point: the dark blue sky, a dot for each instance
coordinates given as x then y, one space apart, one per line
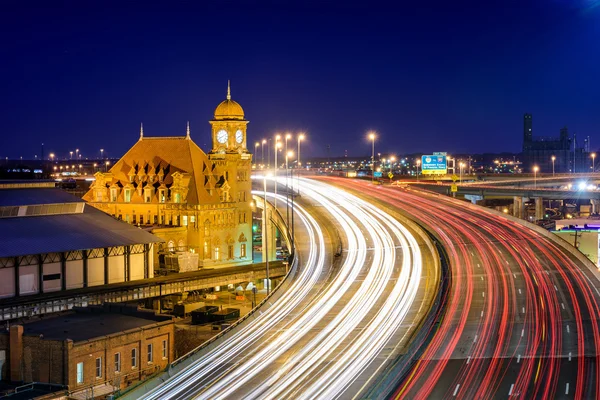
427 76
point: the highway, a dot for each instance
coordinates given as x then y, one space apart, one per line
337 324
522 313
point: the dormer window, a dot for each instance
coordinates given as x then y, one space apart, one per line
161 196
113 195
177 198
127 193
147 195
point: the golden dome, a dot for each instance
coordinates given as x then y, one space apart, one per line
229 109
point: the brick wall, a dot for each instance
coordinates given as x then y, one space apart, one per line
4 346
55 361
87 352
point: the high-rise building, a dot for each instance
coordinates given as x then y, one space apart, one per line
541 150
196 202
527 130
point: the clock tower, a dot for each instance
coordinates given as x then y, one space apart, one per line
229 127
233 164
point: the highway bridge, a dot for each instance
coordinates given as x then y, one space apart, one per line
522 315
335 323
433 297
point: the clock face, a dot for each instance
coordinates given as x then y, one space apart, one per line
222 136
239 136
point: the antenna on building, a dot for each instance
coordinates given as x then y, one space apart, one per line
228 90
187 131
141 130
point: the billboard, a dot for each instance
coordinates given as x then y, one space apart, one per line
434 164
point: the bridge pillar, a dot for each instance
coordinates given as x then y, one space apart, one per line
539 208
595 206
518 207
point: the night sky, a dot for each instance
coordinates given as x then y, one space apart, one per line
427 76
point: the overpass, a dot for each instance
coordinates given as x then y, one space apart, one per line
478 192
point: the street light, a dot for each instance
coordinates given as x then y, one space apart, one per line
535 170
300 138
288 136
256 151
372 138
71 153
101 153
52 157
553 159
288 155
461 165
277 147
593 162
106 164
265 233
262 152
76 153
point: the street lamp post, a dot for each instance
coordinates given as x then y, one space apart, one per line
255 155
372 138
288 136
106 164
265 234
101 154
593 162
277 146
461 165
418 165
553 159
262 152
535 170
71 153
300 138
288 155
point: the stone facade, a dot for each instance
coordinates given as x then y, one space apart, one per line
195 201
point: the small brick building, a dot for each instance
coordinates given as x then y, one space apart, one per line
110 345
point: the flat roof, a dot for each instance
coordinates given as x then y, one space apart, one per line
84 325
68 232
34 196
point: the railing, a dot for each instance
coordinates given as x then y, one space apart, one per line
116 381
34 385
142 290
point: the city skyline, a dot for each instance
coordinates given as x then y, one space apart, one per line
425 79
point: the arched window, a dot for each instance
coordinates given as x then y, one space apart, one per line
171 245
181 245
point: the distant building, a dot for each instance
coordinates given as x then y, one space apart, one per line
540 151
195 201
53 242
101 347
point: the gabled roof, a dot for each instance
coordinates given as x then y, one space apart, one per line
170 154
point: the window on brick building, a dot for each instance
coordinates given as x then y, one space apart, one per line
80 372
150 358
117 362
133 358
99 367
164 349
